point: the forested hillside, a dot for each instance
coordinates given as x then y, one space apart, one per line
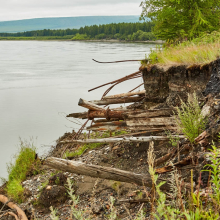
62 22
121 31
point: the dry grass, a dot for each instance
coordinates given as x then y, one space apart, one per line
198 51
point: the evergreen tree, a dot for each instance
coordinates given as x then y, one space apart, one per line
180 19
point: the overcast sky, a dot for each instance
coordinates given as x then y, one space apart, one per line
24 9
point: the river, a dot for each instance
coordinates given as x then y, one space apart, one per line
42 81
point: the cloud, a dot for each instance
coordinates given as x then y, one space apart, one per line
24 9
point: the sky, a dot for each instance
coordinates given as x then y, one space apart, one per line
25 9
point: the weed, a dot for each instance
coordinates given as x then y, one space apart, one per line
116 186
53 214
190 120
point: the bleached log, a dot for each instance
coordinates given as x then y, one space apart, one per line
117 101
125 94
21 214
124 139
89 105
98 171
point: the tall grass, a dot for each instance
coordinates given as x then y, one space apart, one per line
200 50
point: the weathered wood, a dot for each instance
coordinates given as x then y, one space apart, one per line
117 101
142 92
160 121
109 125
21 214
98 171
9 213
81 115
149 113
89 105
124 139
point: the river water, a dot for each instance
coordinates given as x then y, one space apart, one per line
42 81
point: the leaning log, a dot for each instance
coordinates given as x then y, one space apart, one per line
89 105
21 214
117 101
142 92
98 171
124 139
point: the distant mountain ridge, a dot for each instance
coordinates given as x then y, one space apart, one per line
62 22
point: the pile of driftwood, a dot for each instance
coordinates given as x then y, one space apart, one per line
144 120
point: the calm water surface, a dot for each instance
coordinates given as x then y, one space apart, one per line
42 81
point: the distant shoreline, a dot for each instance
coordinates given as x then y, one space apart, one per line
101 40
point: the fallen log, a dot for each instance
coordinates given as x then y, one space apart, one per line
89 105
124 139
117 101
99 171
21 214
142 92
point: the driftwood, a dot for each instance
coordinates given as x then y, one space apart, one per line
125 139
81 115
108 126
89 105
142 92
124 113
160 121
98 171
166 112
117 101
21 214
10 213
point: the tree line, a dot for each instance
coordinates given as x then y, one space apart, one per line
121 31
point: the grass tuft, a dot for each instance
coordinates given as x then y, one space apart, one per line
25 164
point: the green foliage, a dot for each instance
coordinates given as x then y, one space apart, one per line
81 37
78 214
25 164
190 120
15 190
181 19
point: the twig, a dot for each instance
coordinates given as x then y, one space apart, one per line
120 61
